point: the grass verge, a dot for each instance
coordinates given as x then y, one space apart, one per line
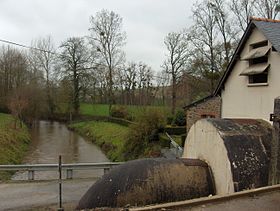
13 143
110 137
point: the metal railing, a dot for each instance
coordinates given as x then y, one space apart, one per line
69 168
177 150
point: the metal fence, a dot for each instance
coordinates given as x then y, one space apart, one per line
174 147
69 168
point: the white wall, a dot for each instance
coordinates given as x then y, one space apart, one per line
241 101
205 143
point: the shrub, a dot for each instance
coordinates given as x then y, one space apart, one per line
180 118
119 112
143 134
169 119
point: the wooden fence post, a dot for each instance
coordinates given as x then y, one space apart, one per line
274 171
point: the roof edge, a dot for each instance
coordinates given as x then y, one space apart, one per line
234 58
198 101
252 18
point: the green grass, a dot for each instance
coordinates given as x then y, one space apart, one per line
13 142
133 110
94 109
110 137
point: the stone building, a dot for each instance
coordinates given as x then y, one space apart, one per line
208 107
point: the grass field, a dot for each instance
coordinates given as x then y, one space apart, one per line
110 137
133 111
94 109
13 142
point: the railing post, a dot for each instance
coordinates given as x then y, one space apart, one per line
30 174
69 174
106 170
60 184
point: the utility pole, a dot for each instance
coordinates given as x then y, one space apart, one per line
274 171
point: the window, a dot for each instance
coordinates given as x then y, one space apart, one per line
259 44
258 78
259 60
257 57
205 116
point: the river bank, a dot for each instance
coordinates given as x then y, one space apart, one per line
114 140
14 142
110 137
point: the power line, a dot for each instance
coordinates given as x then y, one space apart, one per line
46 51
25 46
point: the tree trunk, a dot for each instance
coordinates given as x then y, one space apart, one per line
76 102
173 94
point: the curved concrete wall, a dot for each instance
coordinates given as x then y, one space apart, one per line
204 143
150 181
237 150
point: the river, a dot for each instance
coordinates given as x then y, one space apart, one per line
51 139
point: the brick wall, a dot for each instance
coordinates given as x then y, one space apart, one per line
209 107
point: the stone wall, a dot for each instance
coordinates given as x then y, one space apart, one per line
209 107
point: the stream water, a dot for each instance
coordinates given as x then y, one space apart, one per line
51 139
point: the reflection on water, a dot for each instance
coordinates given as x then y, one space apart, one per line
51 139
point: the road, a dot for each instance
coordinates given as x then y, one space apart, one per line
18 196
261 199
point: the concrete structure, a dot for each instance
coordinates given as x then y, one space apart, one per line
150 181
251 82
237 150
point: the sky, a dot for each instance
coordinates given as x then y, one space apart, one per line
146 22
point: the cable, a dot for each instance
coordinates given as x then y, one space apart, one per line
25 46
38 49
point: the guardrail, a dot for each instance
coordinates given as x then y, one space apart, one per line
69 168
178 151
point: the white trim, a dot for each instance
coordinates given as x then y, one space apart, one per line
257 84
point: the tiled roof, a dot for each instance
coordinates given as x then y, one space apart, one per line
271 31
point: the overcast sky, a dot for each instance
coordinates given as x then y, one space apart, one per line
146 22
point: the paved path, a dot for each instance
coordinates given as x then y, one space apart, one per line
17 196
264 202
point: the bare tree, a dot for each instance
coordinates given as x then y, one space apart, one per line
25 103
108 39
17 103
204 35
242 10
13 71
162 81
43 58
75 59
144 83
177 47
224 25
267 8
130 74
